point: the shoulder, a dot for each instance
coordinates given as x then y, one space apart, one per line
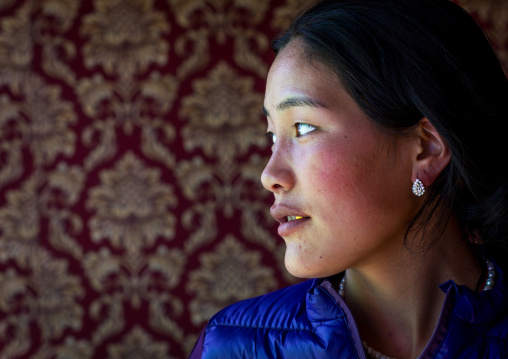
300 321
252 327
277 309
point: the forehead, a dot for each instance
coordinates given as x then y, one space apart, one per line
294 73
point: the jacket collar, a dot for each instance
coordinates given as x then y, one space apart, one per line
479 308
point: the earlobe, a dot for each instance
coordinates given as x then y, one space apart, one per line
433 153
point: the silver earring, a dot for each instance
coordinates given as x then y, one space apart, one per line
418 188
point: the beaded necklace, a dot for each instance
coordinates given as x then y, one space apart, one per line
489 284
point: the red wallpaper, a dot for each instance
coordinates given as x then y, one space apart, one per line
131 145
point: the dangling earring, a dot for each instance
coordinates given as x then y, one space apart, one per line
418 188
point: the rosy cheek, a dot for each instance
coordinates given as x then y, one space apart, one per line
333 172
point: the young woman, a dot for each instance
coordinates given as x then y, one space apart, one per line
388 171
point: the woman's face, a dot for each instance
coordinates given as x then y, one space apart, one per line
331 165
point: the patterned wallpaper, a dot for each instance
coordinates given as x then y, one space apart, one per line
131 145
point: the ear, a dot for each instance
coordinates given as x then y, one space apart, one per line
433 154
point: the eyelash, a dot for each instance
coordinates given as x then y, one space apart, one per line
298 126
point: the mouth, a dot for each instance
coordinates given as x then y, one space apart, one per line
290 218
287 219
291 224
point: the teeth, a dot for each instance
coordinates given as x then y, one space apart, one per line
292 218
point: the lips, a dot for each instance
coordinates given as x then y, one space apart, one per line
291 219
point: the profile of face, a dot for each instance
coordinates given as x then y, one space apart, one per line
342 186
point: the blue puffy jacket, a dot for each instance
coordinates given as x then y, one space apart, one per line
310 320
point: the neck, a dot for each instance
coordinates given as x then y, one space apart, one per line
395 298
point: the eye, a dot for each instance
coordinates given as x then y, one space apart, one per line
303 129
271 137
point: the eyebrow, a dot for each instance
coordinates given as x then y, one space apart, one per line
295 102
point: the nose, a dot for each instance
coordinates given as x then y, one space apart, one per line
278 176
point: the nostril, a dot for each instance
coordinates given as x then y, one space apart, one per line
277 175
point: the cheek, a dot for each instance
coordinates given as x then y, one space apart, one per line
340 171
346 186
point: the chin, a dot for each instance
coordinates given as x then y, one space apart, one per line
300 269
305 269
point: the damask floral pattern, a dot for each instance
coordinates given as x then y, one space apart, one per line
131 146
56 307
125 36
48 133
40 121
32 114
47 296
228 274
20 223
223 114
132 206
16 48
222 20
138 344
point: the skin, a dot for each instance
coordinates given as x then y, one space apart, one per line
351 183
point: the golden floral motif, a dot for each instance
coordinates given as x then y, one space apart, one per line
68 181
128 104
228 274
41 121
36 116
14 327
57 293
70 348
165 270
133 276
144 104
16 48
226 188
100 137
125 37
222 19
47 296
135 279
41 197
105 273
49 133
192 176
12 167
194 48
256 220
19 220
63 13
63 189
131 206
20 223
224 115
201 221
138 345
53 18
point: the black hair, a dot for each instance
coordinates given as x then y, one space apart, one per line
403 60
